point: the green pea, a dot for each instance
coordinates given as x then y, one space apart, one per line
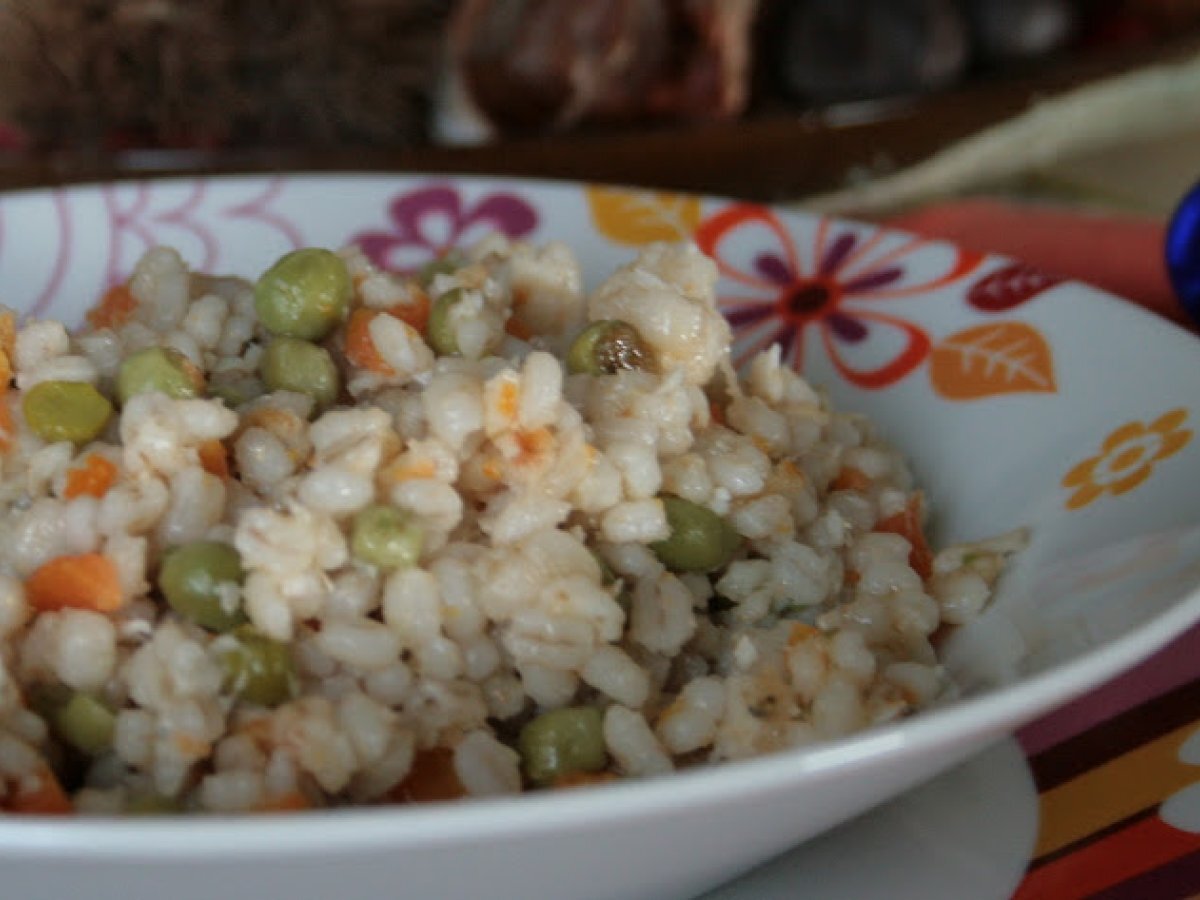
561 742
86 724
442 334
443 265
256 668
607 574
151 804
386 537
290 364
304 295
700 540
161 369
193 578
66 411
46 699
608 346
235 388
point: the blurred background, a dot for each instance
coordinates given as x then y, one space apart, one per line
782 100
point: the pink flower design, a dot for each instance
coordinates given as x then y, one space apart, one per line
431 220
831 289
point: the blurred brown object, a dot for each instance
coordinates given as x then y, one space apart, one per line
820 52
102 75
536 65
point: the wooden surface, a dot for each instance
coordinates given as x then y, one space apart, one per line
771 156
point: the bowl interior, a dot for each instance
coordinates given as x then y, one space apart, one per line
1022 402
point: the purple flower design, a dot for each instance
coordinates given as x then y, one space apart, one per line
429 221
829 285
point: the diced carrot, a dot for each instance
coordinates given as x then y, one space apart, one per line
407 470
800 632
518 329
213 458
93 478
292 801
583 779
360 348
8 334
6 421
850 479
907 524
46 798
415 312
534 445
114 308
432 777
508 399
87 581
8 339
492 469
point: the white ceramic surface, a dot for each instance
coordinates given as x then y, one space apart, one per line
1021 401
967 833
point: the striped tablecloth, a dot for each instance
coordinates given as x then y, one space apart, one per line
1118 777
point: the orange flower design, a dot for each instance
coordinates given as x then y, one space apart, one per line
1126 458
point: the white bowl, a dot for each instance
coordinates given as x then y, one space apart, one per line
1021 402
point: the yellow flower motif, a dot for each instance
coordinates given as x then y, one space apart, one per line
1126 458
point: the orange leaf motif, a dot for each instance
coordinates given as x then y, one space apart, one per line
998 358
642 217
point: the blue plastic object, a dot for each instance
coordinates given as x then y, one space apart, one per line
1183 253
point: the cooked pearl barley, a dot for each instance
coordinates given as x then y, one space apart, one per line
231 791
368 723
336 491
480 658
691 721
61 368
45 465
134 507
389 684
838 708
354 593
662 618
39 342
612 671
39 535
262 458
540 582
185 344
205 319
633 744
197 502
505 695
485 766
961 594
453 407
440 658
160 284
13 609
238 752
387 771
638 465
919 683
86 650
368 645
549 688
638 521
133 737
